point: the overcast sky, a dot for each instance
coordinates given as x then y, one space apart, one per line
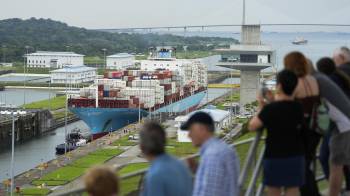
146 13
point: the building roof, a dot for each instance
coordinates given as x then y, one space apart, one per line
120 55
247 48
51 53
216 114
73 69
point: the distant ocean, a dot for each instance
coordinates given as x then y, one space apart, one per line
320 44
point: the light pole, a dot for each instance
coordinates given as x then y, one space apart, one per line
66 113
139 112
24 72
104 57
13 114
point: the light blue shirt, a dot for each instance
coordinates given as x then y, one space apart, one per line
167 176
218 171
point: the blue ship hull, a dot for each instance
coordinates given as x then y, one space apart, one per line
102 120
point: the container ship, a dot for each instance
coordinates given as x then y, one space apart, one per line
161 84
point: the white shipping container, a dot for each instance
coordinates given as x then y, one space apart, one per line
173 87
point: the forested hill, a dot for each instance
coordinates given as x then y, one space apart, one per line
46 34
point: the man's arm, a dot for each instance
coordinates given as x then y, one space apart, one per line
332 93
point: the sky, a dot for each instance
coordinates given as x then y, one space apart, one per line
99 14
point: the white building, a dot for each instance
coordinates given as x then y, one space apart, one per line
46 59
120 61
73 75
221 119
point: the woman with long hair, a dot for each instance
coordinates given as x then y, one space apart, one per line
307 93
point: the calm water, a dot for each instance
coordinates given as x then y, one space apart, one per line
19 78
16 96
31 153
320 44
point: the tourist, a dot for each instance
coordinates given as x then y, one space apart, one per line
327 66
166 176
341 58
218 171
101 181
307 93
284 160
339 132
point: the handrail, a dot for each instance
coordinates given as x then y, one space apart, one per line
81 189
252 188
256 173
249 160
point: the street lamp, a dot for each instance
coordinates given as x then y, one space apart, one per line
13 114
104 57
24 72
66 112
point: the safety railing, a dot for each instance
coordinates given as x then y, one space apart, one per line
249 181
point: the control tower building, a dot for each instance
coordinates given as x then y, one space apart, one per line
249 57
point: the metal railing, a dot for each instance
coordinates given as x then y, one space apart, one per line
249 182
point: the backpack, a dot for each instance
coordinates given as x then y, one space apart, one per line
319 119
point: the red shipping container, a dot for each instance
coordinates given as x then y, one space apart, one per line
166 86
117 74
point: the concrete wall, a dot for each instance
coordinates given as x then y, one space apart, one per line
27 127
249 86
250 35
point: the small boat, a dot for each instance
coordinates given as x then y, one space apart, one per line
300 41
74 140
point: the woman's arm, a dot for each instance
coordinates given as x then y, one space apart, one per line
255 124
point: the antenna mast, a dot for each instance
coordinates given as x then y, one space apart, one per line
243 16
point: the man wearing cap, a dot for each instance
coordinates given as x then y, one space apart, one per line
218 170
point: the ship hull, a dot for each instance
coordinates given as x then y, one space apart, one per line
104 120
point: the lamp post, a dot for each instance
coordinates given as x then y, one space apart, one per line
104 57
13 114
24 72
66 113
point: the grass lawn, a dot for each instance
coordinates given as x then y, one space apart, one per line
34 191
56 103
60 115
131 184
93 60
180 149
132 168
124 141
70 172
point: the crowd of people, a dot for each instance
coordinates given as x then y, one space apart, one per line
308 106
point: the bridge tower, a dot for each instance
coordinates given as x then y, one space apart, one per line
249 57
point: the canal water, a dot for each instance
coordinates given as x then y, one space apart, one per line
16 96
31 153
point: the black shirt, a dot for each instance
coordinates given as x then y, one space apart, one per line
283 121
345 68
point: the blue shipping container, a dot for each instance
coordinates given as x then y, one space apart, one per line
105 93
